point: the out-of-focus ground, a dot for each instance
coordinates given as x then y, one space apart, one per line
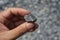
47 13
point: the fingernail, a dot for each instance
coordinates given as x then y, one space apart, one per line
29 25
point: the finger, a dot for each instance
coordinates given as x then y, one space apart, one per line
12 26
15 11
14 33
8 13
3 28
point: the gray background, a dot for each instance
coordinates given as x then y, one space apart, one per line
47 13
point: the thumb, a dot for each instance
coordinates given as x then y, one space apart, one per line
21 29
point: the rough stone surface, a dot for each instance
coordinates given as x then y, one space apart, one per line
47 13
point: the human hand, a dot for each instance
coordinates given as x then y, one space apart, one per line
12 23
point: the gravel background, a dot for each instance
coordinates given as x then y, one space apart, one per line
47 13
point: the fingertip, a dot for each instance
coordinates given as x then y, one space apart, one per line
34 28
29 25
24 12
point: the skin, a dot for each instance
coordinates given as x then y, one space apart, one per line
12 23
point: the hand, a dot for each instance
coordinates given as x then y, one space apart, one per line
12 23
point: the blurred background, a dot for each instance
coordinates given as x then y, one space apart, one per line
47 13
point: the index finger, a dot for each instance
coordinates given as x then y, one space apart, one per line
15 11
